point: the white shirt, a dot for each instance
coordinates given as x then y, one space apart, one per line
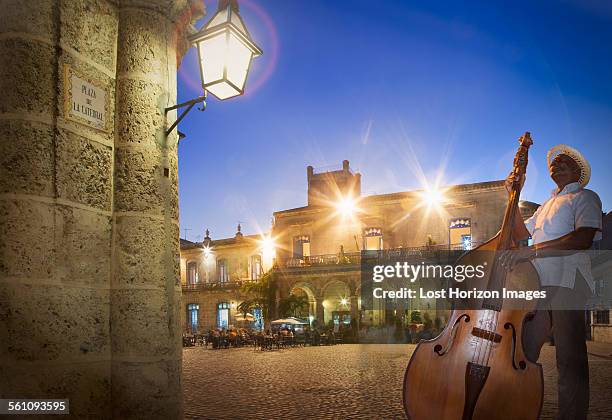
564 212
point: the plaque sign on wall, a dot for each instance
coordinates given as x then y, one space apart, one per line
86 101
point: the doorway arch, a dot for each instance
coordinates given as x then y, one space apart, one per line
336 302
305 289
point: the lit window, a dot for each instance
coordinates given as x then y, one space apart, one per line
192 272
223 315
192 316
301 246
373 240
259 321
222 271
460 233
255 267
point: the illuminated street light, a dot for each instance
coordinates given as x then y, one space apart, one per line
432 197
225 50
268 250
346 206
207 252
267 245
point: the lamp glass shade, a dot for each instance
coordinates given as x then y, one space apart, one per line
225 51
212 58
238 61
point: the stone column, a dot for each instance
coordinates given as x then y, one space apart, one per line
55 204
355 309
145 295
89 282
320 311
312 308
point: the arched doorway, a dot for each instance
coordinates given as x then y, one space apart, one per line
304 291
337 303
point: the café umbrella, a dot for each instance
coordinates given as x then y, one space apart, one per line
289 321
243 317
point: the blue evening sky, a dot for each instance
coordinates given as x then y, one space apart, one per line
399 88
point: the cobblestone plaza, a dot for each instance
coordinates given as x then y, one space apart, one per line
343 381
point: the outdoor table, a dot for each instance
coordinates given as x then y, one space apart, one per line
268 342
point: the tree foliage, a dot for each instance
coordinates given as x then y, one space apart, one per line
292 305
259 295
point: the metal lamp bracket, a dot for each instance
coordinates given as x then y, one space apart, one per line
189 104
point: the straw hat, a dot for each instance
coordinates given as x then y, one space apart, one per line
563 149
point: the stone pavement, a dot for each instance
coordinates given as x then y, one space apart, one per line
344 381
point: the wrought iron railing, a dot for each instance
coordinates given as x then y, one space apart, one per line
325 259
216 285
355 257
329 260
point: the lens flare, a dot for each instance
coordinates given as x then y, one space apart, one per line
267 245
433 197
346 207
207 252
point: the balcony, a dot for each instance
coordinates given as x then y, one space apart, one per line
218 285
325 259
348 261
354 258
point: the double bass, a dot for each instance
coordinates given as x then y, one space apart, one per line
476 368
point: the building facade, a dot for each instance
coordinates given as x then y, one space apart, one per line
211 275
315 251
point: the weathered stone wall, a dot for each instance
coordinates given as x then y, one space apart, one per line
56 200
89 264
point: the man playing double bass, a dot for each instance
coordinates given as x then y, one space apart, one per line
566 224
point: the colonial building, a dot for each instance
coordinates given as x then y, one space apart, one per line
212 272
317 248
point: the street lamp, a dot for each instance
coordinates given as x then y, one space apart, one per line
432 197
267 245
225 51
346 206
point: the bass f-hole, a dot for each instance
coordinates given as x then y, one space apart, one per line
438 348
521 364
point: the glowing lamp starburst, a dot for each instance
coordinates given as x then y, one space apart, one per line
207 252
267 246
346 206
433 197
